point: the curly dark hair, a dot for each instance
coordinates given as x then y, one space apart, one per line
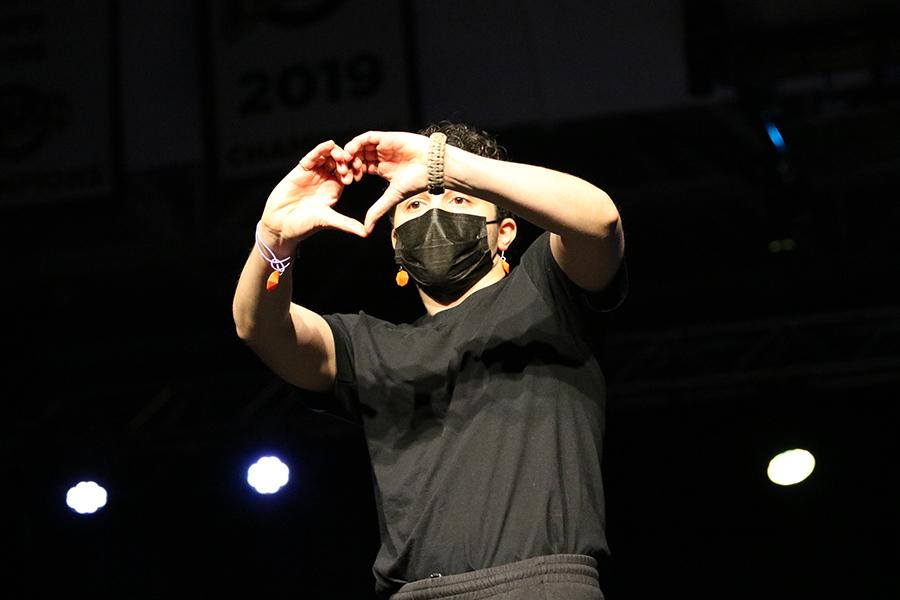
470 139
467 138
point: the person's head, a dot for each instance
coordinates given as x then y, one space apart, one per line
466 138
443 268
476 141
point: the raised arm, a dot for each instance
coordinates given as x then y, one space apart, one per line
587 238
294 342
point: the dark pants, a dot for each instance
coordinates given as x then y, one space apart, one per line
554 577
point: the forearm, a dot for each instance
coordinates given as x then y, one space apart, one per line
294 342
258 312
555 201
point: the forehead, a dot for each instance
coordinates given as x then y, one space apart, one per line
447 195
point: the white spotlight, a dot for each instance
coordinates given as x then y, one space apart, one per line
790 467
268 475
86 497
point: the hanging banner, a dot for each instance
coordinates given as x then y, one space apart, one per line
287 75
56 133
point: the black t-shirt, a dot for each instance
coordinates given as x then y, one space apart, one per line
484 423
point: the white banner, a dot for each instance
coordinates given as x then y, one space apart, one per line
289 74
55 111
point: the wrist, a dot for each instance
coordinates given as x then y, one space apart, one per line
273 239
459 169
278 258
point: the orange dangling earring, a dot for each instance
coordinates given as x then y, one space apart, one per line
503 262
402 277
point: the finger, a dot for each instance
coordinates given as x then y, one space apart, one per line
362 140
389 198
340 154
338 170
335 220
315 157
358 168
340 158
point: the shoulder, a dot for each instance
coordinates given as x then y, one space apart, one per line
361 328
545 272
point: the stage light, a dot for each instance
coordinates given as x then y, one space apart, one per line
85 498
268 475
790 467
785 245
775 136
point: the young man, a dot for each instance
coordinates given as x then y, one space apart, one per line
484 418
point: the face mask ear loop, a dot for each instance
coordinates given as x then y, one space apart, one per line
503 262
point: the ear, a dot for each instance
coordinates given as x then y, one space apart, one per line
506 233
393 238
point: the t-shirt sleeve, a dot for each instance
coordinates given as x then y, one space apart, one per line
343 401
556 286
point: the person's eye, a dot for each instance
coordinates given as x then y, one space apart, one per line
460 200
413 204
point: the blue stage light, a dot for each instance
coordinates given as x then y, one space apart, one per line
775 136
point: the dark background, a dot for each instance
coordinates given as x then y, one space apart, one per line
122 364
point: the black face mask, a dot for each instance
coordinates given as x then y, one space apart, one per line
446 253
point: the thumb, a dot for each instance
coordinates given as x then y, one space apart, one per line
335 220
390 198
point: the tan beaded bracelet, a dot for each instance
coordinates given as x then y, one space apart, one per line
435 164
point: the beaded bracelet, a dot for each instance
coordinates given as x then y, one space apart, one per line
279 265
435 164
